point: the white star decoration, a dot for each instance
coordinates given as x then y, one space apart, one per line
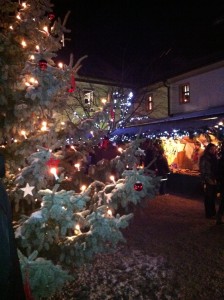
27 190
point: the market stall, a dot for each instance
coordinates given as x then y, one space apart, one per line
183 156
183 139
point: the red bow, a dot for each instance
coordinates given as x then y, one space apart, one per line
73 84
27 288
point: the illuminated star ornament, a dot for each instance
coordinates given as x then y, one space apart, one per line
27 190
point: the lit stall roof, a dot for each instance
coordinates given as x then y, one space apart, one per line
200 121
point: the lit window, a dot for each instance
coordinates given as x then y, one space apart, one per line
185 93
150 103
88 97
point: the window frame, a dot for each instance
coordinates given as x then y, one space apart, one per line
184 93
150 103
88 95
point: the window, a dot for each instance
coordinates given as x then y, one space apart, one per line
88 97
185 93
150 103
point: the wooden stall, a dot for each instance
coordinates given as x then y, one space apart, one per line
179 136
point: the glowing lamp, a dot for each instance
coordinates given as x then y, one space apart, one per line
54 172
109 213
24 44
44 126
77 166
128 168
77 230
60 65
23 132
45 29
83 188
112 178
24 5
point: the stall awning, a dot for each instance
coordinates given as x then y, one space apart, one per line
188 122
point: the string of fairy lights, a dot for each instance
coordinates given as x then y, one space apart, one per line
217 130
123 102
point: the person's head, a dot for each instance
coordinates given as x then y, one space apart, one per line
197 145
211 149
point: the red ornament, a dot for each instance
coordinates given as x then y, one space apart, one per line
51 16
42 64
53 163
138 186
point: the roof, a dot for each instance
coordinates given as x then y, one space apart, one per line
200 120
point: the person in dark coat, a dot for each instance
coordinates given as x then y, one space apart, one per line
11 283
220 211
208 166
163 170
150 157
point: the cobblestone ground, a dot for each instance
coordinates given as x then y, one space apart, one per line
176 228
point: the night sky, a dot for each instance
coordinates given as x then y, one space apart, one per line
142 39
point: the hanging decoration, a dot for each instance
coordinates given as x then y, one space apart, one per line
105 142
42 64
51 16
53 163
138 186
112 114
27 190
27 288
72 84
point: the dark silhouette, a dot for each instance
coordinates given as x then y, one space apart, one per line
163 170
221 185
11 284
150 157
208 168
104 151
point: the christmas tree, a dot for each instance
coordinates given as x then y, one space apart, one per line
67 208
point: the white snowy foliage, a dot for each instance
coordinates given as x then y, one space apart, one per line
42 273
